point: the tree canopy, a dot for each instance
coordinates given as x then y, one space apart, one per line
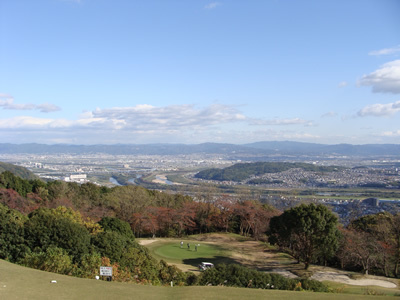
309 232
242 171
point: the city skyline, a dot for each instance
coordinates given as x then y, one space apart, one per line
137 72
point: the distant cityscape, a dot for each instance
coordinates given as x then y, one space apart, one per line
346 190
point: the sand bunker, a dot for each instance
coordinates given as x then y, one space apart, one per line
147 241
342 278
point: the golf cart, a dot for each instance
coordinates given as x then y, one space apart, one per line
205 265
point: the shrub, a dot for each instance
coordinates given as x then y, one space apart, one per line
314 285
54 260
12 244
117 225
46 228
235 275
191 278
111 244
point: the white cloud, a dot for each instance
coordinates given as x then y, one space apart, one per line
148 124
384 80
329 114
294 121
7 102
212 5
386 51
380 110
168 117
140 118
342 84
47 107
24 122
395 133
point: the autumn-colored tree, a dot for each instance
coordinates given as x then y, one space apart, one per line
253 217
184 218
396 239
13 200
165 220
147 221
225 216
377 234
358 248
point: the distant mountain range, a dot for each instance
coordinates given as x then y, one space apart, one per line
259 149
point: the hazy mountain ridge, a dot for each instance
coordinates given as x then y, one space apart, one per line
258 148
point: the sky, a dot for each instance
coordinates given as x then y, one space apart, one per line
194 71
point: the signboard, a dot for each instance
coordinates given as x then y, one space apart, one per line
105 271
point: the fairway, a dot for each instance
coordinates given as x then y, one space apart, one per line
18 282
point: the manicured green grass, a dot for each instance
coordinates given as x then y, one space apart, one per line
17 282
172 252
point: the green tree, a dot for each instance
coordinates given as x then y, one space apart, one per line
309 232
111 244
54 260
12 244
117 225
10 181
89 266
46 228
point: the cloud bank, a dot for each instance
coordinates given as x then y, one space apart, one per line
7 102
147 123
380 110
386 51
384 80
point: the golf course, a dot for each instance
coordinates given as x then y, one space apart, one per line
231 248
17 282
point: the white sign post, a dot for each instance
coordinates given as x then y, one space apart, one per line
106 271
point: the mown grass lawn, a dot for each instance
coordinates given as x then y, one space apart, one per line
18 282
171 251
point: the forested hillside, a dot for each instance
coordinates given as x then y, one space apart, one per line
17 170
242 171
71 229
149 212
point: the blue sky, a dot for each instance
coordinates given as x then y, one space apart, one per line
188 71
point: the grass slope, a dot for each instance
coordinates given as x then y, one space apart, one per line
18 282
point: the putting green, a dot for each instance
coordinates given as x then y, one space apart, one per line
173 251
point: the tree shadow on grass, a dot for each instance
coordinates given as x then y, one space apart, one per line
194 262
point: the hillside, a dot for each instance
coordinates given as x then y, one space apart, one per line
18 282
17 170
242 171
